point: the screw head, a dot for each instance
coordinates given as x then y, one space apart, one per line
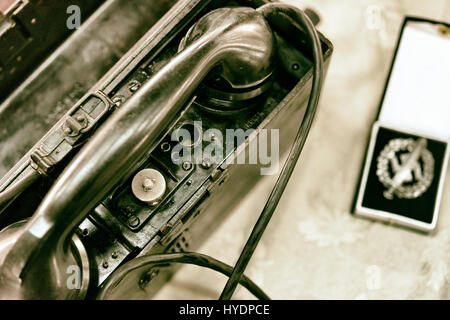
187 166
206 164
133 221
148 184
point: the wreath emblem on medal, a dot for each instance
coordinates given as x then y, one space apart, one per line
406 168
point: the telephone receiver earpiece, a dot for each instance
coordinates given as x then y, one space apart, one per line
36 255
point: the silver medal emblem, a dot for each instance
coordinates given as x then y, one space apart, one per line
406 168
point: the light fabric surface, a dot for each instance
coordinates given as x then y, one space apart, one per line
314 248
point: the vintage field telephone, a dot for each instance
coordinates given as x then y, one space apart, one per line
98 208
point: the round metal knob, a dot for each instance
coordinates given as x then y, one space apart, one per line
149 186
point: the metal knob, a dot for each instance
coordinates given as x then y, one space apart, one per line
149 186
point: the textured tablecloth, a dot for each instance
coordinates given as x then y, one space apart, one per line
314 248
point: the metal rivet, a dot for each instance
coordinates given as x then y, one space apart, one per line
187 166
165 146
114 255
148 184
206 164
189 182
295 66
133 221
105 264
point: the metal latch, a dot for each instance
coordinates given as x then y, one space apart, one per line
63 138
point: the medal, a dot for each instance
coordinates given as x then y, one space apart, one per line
406 168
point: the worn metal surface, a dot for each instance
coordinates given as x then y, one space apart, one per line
27 114
28 35
122 227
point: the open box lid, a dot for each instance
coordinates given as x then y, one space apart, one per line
417 95
414 110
